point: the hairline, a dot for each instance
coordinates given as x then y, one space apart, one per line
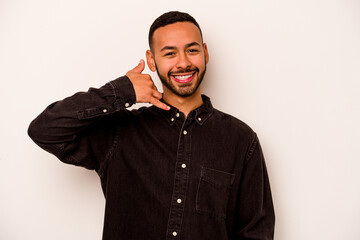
152 35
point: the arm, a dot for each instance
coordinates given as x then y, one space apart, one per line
64 128
255 218
68 128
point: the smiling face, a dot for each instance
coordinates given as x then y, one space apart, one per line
180 58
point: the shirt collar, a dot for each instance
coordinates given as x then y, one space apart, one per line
200 114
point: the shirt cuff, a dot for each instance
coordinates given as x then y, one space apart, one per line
124 92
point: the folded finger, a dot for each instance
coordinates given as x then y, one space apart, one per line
157 94
159 104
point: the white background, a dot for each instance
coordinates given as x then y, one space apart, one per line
288 68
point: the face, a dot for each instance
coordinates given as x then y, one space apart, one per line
179 57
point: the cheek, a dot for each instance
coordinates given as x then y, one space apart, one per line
164 66
198 61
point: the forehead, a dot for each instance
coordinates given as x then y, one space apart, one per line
176 35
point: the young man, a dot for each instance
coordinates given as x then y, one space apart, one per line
179 169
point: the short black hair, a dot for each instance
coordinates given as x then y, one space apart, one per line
169 18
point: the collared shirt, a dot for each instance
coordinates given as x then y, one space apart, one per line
164 176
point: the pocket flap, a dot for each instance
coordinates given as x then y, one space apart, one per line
217 177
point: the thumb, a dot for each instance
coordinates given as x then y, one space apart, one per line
139 68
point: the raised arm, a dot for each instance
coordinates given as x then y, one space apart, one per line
65 127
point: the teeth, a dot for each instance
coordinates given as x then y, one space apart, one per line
183 77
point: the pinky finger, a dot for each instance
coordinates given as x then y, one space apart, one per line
159 104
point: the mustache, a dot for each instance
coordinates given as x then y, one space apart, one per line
186 70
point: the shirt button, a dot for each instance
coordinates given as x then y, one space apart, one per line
184 132
172 119
183 165
174 234
199 119
179 200
127 105
177 114
104 110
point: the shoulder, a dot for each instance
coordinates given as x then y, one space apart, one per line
230 120
233 124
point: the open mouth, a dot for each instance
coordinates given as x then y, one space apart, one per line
183 78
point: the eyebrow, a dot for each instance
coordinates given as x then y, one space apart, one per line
186 46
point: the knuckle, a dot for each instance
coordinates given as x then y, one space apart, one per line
157 94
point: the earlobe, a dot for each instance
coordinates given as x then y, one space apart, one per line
150 60
206 54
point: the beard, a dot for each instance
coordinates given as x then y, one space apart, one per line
184 90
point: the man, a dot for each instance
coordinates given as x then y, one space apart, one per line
179 169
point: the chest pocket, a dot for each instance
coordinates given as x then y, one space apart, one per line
213 192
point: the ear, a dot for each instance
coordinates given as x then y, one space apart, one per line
206 53
150 60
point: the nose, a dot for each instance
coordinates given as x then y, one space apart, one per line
183 61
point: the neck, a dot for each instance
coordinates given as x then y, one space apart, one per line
184 104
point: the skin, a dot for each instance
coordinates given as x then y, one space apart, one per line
177 50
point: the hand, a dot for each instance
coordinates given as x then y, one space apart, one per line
145 89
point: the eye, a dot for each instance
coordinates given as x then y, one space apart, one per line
169 54
193 50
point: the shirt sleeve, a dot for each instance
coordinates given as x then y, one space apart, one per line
255 217
79 129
